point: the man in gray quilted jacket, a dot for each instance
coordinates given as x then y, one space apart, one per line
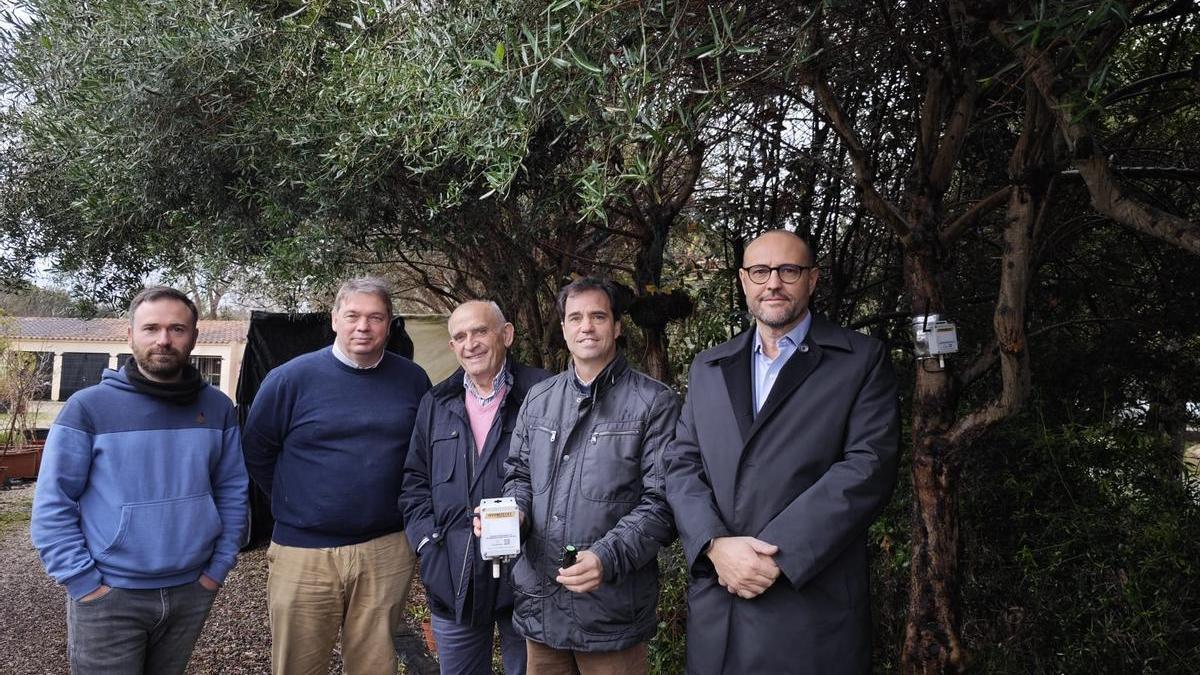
586 470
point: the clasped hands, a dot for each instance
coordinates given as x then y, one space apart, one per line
745 565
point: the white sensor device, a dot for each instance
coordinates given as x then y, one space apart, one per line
500 526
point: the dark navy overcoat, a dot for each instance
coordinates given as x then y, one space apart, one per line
445 478
808 473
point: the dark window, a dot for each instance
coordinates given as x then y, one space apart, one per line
210 369
122 359
80 370
43 363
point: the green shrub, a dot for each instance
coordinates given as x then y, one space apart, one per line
668 649
1080 554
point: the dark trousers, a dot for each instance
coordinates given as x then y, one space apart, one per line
467 650
131 632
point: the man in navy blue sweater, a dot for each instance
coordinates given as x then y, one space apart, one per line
327 438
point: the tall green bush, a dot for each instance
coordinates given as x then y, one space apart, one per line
1081 554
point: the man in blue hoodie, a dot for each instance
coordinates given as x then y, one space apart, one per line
327 437
141 499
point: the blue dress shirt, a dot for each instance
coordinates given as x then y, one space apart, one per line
764 370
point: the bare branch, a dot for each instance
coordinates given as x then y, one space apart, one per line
591 261
1136 88
1106 190
982 363
1177 172
956 228
1008 318
687 184
615 230
864 178
1075 322
955 135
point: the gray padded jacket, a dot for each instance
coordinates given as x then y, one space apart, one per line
587 470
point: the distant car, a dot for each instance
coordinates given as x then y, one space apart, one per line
272 340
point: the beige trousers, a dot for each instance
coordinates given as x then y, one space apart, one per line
360 588
545 660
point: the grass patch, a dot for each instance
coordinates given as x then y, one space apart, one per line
15 514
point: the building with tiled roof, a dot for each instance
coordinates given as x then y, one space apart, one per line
108 330
74 352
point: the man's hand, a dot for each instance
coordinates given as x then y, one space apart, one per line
744 564
96 594
584 576
208 583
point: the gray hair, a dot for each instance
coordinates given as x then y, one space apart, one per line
371 285
156 293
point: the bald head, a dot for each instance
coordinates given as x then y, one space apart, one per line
778 276
482 307
784 244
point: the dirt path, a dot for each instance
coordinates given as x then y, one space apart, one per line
33 629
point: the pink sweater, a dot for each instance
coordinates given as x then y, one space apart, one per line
481 417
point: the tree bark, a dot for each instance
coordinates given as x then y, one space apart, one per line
932 643
654 217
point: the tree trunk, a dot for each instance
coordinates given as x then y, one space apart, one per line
941 436
647 279
932 643
655 359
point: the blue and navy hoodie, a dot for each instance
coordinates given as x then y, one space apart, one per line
137 492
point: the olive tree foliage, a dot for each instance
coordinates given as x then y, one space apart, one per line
964 151
956 145
303 140
101 166
993 159
295 138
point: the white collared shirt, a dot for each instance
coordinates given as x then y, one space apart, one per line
341 356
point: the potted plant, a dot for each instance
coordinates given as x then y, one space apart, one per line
20 380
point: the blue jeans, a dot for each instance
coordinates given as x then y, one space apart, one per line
130 632
467 650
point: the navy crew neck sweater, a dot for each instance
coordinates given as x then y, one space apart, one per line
328 443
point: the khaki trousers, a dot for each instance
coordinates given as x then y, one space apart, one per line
545 660
360 588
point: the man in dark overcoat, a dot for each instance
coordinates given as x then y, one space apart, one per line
456 459
785 452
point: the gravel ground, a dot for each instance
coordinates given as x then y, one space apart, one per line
236 638
33 629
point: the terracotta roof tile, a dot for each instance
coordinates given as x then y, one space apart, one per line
107 330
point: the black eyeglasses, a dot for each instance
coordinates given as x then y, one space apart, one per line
788 274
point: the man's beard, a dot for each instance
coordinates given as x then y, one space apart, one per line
162 368
778 318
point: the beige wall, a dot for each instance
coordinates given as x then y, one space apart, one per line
231 365
431 344
431 350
